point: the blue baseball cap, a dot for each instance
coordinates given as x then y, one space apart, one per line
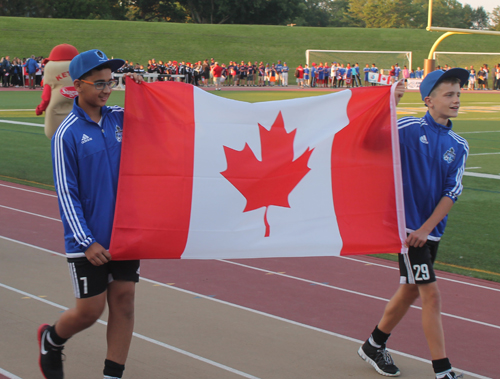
88 60
435 77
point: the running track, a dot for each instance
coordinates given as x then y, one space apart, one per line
341 295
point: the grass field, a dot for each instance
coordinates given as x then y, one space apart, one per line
470 245
140 41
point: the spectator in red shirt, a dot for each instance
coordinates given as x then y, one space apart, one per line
217 73
299 74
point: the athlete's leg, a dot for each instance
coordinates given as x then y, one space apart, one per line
397 307
121 319
431 319
83 315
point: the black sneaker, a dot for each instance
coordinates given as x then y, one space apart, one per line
449 375
379 358
50 356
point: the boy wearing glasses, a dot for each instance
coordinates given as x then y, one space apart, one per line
86 157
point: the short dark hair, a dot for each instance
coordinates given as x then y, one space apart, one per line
98 68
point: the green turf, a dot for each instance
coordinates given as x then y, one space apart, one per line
473 223
139 41
25 154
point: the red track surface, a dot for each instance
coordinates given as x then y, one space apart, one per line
312 291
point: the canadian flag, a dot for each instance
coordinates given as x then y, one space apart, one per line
205 177
374 77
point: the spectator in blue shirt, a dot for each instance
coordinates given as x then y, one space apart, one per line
31 67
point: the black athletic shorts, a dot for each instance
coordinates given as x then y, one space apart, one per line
89 280
417 267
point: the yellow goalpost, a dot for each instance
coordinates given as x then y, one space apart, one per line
430 62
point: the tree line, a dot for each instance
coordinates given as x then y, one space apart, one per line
333 13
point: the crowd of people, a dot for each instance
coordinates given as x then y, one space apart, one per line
338 75
19 72
28 72
480 80
206 73
257 74
211 72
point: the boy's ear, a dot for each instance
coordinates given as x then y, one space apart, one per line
428 101
78 85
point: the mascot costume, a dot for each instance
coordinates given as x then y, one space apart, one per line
58 91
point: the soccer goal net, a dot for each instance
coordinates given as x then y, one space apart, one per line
382 59
460 59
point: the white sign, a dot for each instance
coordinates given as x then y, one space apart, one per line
413 83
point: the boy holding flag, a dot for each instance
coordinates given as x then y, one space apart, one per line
433 161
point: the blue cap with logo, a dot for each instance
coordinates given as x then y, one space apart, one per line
435 77
88 60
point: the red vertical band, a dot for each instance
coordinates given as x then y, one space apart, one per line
156 173
362 170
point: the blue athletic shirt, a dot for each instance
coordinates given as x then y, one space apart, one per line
321 72
306 73
86 161
433 162
397 71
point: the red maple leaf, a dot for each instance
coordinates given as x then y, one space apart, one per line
270 181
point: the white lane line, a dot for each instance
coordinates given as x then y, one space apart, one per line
27 190
278 318
17 110
357 293
344 257
318 283
8 374
140 336
302 280
22 123
243 308
478 175
496 153
30 213
439 277
348 258
478 132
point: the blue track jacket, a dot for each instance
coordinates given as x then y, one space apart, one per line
433 161
86 162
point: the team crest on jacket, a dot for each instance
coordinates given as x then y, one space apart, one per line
423 139
118 133
450 155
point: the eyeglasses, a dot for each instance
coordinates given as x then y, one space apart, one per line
101 85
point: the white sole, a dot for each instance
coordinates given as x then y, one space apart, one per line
367 359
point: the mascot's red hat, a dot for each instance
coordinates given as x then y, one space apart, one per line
63 52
